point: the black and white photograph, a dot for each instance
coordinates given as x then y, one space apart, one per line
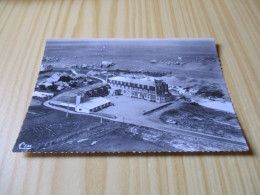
130 95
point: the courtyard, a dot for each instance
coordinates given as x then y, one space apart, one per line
128 109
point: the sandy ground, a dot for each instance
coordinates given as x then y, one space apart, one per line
129 109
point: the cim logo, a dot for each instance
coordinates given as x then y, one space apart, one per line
24 146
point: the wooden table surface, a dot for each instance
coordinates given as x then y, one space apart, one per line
24 26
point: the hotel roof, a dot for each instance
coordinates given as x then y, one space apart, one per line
134 81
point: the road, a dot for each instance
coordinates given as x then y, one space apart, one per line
102 80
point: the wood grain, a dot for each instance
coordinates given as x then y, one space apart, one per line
24 26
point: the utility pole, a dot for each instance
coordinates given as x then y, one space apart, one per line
67 113
101 119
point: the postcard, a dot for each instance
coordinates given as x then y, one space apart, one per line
130 95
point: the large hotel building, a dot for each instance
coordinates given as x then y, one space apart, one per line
156 90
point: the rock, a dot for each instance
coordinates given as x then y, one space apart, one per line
45 68
153 61
107 64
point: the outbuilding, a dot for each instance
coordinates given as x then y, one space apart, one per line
92 105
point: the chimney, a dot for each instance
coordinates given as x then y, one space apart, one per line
78 97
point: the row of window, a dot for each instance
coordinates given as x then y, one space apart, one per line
133 89
130 84
99 107
144 96
97 89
